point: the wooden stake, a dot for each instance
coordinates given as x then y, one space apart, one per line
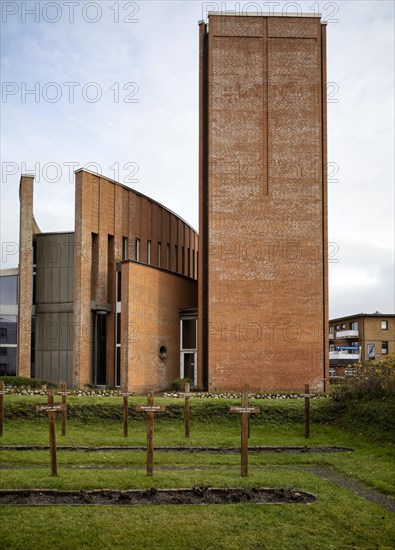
187 410
125 414
307 397
245 410
64 393
186 394
2 392
150 409
52 435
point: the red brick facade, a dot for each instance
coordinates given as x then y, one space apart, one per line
151 300
263 278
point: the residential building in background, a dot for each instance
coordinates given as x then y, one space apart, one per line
359 338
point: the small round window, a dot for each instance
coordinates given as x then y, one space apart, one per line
163 353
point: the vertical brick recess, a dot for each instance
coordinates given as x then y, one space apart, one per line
263 317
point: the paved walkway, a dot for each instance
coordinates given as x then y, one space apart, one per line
352 485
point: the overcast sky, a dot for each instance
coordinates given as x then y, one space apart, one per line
117 92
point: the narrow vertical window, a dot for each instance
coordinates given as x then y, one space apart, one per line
125 248
137 250
183 261
148 252
168 256
159 251
176 258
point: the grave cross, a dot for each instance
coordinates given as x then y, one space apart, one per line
307 396
51 409
150 409
186 394
2 392
245 410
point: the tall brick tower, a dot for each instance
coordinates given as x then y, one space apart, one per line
263 316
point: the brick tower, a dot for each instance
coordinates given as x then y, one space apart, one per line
263 296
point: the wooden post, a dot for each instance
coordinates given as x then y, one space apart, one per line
307 396
186 394
2 392
125 414
245 412
150 409
64 393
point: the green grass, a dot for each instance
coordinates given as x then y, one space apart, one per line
339 519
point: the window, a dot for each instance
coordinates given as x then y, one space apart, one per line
384 325
8 346
159 250
337 327
137 250
148 252
344 325
182 261
168 256
189 262
331 330
189 334
176 260
119 287
384 348
354 325
125 248
9 290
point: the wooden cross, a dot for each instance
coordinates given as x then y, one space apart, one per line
245 410
64 393
51 409
307 396
150 409
2 393
186 394
125 396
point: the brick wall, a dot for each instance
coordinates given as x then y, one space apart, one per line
151 299
25 298
263 189
107 213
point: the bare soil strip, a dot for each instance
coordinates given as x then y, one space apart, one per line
356 487
196 495
219 450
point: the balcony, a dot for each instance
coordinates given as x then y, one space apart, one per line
344 355
344 334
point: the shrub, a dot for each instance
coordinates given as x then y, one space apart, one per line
370 380
20 381
179 384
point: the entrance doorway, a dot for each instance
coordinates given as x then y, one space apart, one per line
188 345
189 366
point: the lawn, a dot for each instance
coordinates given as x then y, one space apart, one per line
339 518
